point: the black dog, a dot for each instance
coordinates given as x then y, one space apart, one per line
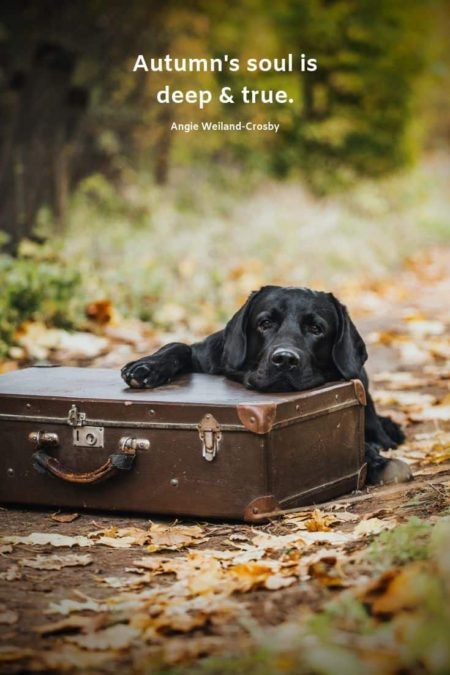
283 339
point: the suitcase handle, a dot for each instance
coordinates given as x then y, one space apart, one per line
120 461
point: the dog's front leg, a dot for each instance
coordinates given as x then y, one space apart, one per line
159 368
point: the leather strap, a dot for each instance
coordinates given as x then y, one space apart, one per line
121 461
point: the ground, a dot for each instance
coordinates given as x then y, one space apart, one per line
357 585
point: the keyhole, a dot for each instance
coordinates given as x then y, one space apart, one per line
90 438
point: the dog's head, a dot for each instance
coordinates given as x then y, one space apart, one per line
290 339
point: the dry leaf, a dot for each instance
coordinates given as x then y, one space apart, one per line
250 575
319 521
328 572
123 537
407 399
67 606
434 412
420 327
44 538
372 526
64 517
129 582
70 658
56 562
395 590
174 537
400 379
430 448
276 581
119 637
7 548
101 311
72 624
182 651
12 573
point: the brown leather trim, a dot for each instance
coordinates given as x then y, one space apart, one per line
360 392
257 418
258 507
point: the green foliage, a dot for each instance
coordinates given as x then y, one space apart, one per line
36 288
403 544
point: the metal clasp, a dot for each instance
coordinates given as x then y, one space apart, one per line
127 444
39 438
210 435
76 418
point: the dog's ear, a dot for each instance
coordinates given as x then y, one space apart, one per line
235 345
349 351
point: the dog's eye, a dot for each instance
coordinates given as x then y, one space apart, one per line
314 329
265 324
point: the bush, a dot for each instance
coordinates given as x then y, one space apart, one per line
36 288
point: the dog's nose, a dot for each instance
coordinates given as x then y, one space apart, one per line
285 358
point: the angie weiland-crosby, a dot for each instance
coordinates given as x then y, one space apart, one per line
187 127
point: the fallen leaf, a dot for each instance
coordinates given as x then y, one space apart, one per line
71 623
68 658
101 312
411 354
395 590
43 538
250 575
407 399
276 581
372 526
56 562
182 651
129 582
174 537
7 548
68 606
64 517
401 379
319 522
119 637
328 572
12 573
434 412
420 327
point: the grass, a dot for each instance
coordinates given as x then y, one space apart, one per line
186 255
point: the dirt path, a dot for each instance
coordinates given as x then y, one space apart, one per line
269 577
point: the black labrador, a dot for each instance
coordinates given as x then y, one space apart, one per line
283 339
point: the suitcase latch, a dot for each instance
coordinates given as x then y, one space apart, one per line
210 436
76 418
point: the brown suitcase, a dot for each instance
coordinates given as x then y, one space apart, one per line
202 446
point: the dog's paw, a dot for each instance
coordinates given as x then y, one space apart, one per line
392 429
145 373
393 471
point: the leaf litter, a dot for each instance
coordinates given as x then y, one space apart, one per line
184 589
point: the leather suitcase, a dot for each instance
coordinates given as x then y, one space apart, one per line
202 446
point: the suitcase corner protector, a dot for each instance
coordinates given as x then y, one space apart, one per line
257 508
258 418
360 392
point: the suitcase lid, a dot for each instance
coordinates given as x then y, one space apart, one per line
99 395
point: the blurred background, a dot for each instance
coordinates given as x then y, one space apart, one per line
111 222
